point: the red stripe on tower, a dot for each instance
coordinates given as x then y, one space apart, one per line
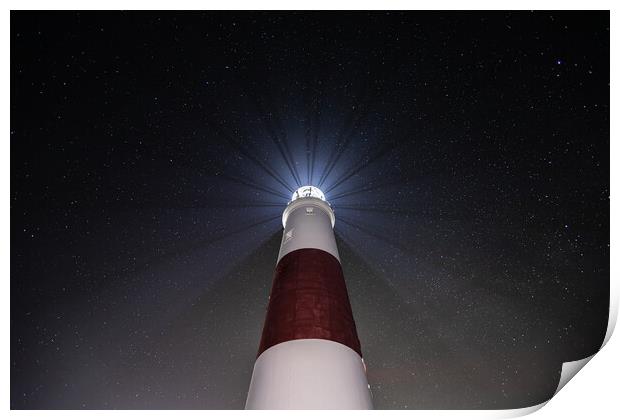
309 300
309 354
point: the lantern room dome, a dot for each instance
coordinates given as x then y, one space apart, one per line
308 191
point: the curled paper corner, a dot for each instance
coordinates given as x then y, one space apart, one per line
569 369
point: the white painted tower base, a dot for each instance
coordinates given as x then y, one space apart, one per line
309 374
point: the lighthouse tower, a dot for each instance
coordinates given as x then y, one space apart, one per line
309 355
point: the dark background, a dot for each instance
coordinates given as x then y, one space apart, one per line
466 155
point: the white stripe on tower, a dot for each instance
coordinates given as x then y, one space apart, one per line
309 355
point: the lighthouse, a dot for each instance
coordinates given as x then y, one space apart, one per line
309 355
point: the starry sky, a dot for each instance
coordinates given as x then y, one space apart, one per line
466 155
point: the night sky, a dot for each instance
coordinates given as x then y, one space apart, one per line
466 156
